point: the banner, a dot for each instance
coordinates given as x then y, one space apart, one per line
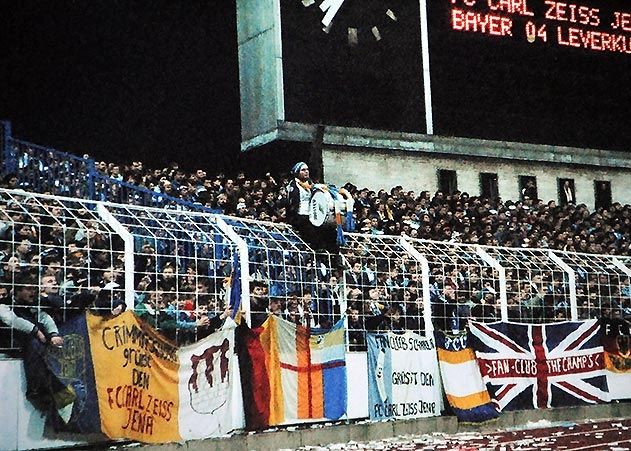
72 364
465 390
206 383
403 379
540 366
302 373
254 377
617 347
136 372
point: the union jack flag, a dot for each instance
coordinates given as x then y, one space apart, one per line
541 365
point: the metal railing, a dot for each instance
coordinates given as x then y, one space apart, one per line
44 170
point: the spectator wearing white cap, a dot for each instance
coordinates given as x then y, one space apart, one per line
299 194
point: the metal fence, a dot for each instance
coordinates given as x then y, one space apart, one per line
286 276
57 255
179 269
383 287
464 283
182 264
43 170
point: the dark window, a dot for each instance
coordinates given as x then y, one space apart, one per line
567 195
488 185
602 193
528 187
447 181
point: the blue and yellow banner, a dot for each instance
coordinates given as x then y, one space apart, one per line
465 390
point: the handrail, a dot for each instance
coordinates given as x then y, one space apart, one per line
57 172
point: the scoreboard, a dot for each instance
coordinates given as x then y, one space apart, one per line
535 71
563 24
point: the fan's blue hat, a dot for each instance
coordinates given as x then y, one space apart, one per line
298 166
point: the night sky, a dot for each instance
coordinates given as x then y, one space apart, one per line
158 81
123 79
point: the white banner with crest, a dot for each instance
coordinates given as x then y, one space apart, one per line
206 385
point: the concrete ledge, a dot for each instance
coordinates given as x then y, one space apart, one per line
319 435
348 137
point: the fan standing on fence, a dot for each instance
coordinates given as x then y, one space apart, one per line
299 193
318 211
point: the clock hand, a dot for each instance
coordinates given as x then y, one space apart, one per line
330 7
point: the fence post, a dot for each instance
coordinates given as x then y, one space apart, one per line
427 305
621 266
343 301
242 249
493 263
128 239
571 283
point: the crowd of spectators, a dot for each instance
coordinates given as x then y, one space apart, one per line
65 263
457 217
68 255
454 217
59 259
386 295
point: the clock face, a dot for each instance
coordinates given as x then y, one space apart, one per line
350 63
357 21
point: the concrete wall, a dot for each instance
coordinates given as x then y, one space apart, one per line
366 431
260 69
21 426
417 171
